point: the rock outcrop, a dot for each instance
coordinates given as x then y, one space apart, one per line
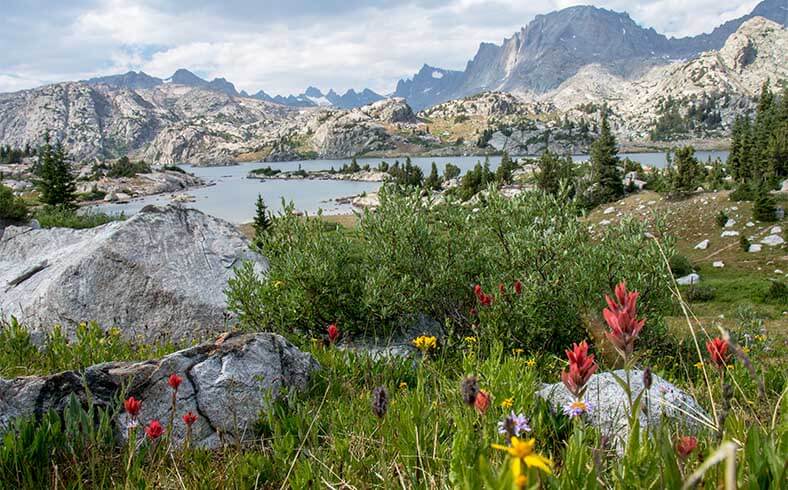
161 273
226 383
664 403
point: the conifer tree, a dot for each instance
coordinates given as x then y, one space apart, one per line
687 170
763 208
433 180
55 182
555 172
604 164
262 218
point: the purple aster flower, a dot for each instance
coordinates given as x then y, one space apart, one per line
513 425
577 408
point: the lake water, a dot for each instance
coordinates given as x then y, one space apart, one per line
231 196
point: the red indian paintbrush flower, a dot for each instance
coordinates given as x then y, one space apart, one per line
132 406
685 445
484 299
174 381
518 287
718 350
621 317
333 333
581 367
154 430
482 401
189 418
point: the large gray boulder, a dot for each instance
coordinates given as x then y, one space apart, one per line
159 274
664 403
226 383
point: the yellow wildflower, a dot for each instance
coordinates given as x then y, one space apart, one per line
530 362
470 340
517 352
425 343
403 385
278 284
746 350
114 332
522 453
699 364
507 403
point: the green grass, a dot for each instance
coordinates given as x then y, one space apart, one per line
50 217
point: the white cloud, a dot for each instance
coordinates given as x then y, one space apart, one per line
262 45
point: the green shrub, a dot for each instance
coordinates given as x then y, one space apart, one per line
55 217
680 265
697 293
721 218
173 168
12 208
410 258
126 168
744 243
778 292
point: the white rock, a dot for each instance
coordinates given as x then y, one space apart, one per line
688 279
702 245
776 230
773 240
718 264
604 222
729 233
750 224
609 210
755 247
778 271
730 223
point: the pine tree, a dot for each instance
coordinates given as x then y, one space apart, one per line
555 171
433 180
503 175
604 164
451 172
765 118
55 181
687 170
262 220
763 208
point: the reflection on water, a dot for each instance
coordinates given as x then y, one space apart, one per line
231 195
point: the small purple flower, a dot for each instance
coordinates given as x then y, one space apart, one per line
577 408
513 425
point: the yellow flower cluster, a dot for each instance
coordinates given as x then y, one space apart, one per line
531 362
470 340
425 343
507 403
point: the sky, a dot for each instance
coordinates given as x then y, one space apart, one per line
283 47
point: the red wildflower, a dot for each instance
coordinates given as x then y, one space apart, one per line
621 317
482 401
189 418
132 406
718 350
581 367
174 381
154 430
333 333
685 445
484 299
518 287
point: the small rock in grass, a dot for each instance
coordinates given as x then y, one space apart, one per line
773 240
718 264
609 210
778 271
755 247
730 223
776 230
727 233
702 245
604 222
688 279
750 224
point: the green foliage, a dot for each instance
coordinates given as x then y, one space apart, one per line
123 167
55 181
266 171
721 218
699 292
503 174
410 258
12 208
680 265
763 208
555 173
451 172
407 175
475 180
57 217
744 243
604 166
433 181
262 218
9 154
89 345
687 174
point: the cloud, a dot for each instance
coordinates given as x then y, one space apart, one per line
282 47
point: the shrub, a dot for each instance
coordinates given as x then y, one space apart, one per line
412 257
721 218
778 292
680 265
12 208
56 217
173 168
126 168
265 171
744 243
699 292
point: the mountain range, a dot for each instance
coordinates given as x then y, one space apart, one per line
555 46
312 97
